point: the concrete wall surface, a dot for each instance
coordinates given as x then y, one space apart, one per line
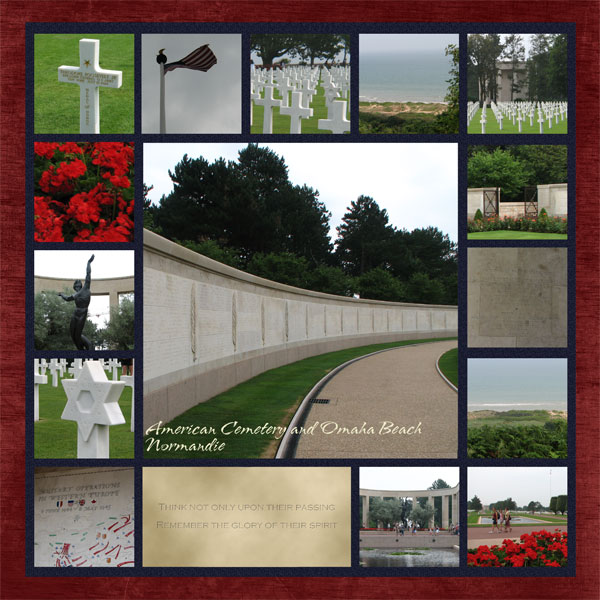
517 297
553 197
208 327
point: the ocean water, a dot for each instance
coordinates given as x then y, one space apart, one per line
404 77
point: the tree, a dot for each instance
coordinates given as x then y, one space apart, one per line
362 236
379 284
483 52
542 164
557 67
447 122
249 205
270 46
283 267
538 68
561 504
422 515
474 504
119 333
52 317
534 506
514 52
438 484
311 46
497 169
553 502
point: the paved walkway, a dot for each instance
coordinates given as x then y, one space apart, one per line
481 536
399 388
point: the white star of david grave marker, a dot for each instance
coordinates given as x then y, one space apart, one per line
89 77
93 402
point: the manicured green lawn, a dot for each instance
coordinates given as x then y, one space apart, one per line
492 125
473 517
448 364
55 438
57 103
281 123
271 397
515 235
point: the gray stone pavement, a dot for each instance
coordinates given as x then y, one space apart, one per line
388 539
481 536
390 405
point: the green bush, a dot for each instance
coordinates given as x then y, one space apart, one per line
478 215
540 224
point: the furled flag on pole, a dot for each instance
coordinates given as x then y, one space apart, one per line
201 59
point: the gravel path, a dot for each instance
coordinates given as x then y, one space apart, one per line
399 388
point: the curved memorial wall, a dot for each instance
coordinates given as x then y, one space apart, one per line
209 327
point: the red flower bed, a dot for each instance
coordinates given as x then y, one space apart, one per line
83 192
536 549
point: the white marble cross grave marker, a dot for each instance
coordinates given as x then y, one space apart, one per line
76 368
337 122
297 112
89 77
129 382
54 368
93 402
38 379
269 102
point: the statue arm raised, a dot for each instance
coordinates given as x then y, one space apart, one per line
88 272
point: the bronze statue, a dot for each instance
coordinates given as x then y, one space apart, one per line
81 297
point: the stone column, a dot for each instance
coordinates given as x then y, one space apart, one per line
445 503
365 511
113 300
431 503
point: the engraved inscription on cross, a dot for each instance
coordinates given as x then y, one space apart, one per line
89 77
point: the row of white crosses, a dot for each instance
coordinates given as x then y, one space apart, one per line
301 84
92 400
519 111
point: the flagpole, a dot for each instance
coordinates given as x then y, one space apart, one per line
163 128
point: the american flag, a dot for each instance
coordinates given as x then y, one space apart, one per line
201 59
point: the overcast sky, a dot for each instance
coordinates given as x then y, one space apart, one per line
522 484
195 101
71 264
405 478
497 383
382 43
415 183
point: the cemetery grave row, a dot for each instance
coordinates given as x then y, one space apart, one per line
314 91
518 117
